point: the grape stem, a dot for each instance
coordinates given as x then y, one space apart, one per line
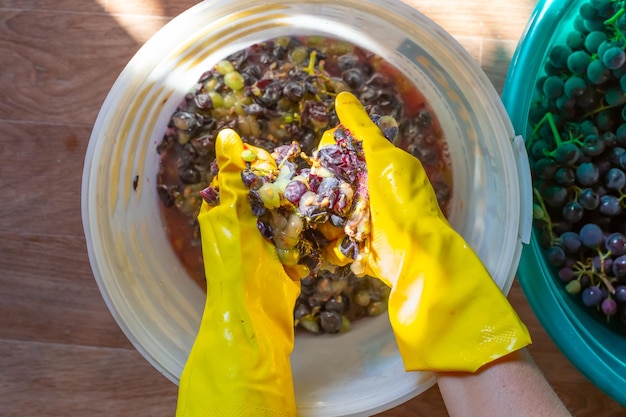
611 20
310 69
548 117
602 274
599 109
546 217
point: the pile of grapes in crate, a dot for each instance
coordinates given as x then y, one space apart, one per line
577 149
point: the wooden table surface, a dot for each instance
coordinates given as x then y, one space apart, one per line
61 353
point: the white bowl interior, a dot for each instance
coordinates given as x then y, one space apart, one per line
142 281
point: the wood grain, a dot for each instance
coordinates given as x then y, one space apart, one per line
50 380
61 352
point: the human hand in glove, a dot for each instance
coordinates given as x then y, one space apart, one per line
446 312
239 363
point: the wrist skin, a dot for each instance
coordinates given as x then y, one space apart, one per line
511 386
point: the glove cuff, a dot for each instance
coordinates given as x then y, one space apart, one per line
235 410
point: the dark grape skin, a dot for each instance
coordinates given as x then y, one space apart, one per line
555 196
610 205
294 190
620 293
553 86
619 267
578 62
559 55
593 145
605 46
589 199
555 256
575 40
570 241
587 174
616 244
566 274
609 306
614 97
573 212
567 153
615 179
588 12
593 40
610 139
545 168
614 57
575 86
597 72
591 235
592 296
565 176
615 155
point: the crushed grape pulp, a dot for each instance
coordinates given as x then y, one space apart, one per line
273 93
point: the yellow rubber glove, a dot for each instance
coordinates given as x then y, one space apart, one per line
239 363
446 312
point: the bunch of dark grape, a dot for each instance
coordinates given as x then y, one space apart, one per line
577 149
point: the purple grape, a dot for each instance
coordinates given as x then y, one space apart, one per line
587 174
610 139
566 274
555 255
573 212
622 158
599 263
567 153
577 62
591 296
555 196
587 127
615 154
591 235
553 86
265 229
603 166
545 168
620 293
597 72
616 244
609 306
538 148
559 55
589 199
565 176
584 281
294 190
615 179
328 187
610 205
256 204
619 267
248 177
593 145
570 241
211 195
614 57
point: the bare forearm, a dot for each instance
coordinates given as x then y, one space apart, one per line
512 386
